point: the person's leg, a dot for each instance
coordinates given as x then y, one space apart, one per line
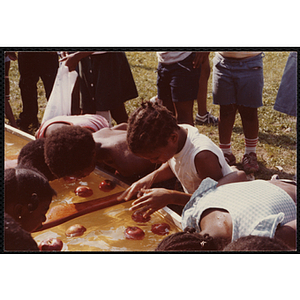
119 114
163 88
28 88
203 116
184 112
184 85
250 127
225 126
48 70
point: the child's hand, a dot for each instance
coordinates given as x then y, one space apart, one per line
152 200
134 189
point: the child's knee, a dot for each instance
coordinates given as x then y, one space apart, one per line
227 110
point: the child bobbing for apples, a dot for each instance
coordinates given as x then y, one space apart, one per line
153 134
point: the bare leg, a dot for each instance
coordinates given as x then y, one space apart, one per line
202 92
226 122
250 121
119 114
169 105
184 112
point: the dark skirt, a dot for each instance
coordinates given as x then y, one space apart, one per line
106 82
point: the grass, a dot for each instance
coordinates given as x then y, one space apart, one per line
277 133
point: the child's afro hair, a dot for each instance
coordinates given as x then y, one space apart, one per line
20 183
69 149
190 240
32 155
149 127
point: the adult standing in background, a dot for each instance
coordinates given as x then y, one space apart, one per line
32 67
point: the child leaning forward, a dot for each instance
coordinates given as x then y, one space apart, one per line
153 134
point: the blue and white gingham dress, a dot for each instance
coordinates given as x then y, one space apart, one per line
256 207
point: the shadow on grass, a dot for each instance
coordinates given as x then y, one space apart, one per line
283 141
266 173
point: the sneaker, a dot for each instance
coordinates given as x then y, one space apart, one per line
250 163
230 159
208 119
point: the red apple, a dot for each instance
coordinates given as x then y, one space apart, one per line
107 185
52 244
75 230
160 229
134 233
138 217
83 191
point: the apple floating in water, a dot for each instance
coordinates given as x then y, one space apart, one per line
107 185
160 229
75 230
52 244
134 233
83 191
138 217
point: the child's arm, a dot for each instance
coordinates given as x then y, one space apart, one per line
161 174
288 233
157 198
207 165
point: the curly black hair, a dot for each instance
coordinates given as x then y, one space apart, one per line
20 183
68 150
256 243
190 240
32 155
149 127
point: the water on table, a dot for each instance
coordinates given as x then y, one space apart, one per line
104 228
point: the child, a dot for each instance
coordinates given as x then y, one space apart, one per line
257 243
32 156
27 197
190 240
74 151
234 210
237 86
91 122
153 134
16 238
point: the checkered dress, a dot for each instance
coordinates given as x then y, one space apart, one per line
256 207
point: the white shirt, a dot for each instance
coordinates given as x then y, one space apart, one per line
182 164
172 56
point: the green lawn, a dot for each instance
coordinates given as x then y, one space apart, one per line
277 136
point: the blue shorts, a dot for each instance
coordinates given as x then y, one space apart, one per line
178 82
238 81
